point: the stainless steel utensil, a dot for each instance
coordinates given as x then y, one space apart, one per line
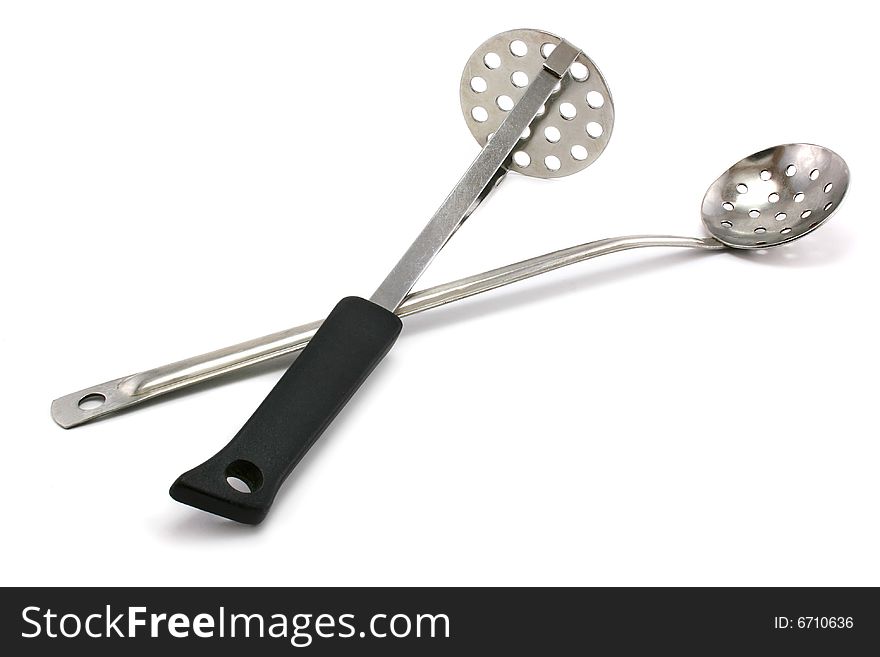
358 333
572 126
728 213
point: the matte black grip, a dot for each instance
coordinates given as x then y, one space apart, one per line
341 355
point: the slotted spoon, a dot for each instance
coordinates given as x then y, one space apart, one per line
771 197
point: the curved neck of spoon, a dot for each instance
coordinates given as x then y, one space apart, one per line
466 287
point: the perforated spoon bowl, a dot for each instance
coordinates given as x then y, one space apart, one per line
775 196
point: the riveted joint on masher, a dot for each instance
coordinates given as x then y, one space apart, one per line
561 58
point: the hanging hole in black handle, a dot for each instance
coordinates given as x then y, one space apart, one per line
244 476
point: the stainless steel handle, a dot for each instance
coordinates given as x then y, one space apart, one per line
480 176
74 409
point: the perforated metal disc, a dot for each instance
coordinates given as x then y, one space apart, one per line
775 196
576 123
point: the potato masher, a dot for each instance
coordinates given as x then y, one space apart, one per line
532 81
496 73
765 200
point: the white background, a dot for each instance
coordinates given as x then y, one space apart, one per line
178 176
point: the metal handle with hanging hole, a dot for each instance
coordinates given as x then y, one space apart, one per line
107 398
817 173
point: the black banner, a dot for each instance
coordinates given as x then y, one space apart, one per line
394 621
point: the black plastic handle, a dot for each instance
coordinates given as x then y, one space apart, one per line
338 359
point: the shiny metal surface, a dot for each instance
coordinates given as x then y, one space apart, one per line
481 176
112 396
775 196
830 170
548 73
572 128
